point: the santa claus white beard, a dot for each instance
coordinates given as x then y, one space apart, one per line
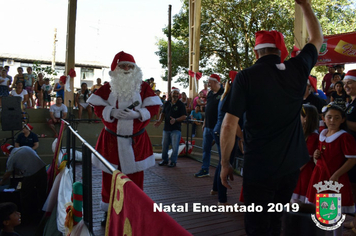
126 85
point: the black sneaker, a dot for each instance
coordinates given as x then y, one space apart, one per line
173 164
163 163
202 173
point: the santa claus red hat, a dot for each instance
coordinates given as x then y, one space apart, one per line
29 127
232 75
6 148
271 39
214 77
312 81
295 52
120 58
175 89
351 74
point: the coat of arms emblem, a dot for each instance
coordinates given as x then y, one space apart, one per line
328 206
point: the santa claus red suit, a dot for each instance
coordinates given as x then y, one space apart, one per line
124 141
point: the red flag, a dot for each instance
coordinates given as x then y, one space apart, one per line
132 212
198 75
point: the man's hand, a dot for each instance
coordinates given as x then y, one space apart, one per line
157 123
227 172
172 120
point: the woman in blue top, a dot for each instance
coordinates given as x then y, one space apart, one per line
59 89
218 188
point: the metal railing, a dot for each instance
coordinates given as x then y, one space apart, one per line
87 151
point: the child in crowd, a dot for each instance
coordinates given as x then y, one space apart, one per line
9 218
336 77
339 97
47 89
196 116
29 82
336 155
310 121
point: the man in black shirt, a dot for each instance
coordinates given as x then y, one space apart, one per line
211 117
271 94
173 113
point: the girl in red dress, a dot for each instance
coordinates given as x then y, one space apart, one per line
310 121
336 155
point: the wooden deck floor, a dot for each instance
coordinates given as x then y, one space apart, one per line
178 185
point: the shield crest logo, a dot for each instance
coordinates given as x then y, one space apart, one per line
328 208
328 215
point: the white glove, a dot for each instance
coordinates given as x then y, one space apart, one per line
127 114
115 113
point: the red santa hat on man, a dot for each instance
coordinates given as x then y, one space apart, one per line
175 89
351 74
312 81
214 77
6 148
29 127
271 39
121 58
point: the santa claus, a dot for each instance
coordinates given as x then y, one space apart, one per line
125 105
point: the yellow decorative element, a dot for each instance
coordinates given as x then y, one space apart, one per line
345 48
117 205
127 228
117 184
62 166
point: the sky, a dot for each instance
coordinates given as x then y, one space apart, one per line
103 28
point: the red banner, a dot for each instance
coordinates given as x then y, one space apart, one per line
131 212
338 49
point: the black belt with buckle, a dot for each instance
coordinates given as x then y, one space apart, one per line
125 136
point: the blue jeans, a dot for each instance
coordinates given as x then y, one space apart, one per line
217 185
208 137
173 138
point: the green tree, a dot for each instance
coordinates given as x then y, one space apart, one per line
228 27
47 71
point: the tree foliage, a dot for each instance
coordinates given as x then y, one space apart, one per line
45 70
228 28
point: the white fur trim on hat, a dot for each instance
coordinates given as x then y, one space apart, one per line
350 77
265 45
211 78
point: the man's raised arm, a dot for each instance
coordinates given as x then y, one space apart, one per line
313 25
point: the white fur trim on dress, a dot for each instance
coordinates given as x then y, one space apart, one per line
107 114
145 114
151 101
96 100
350 156
331 138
